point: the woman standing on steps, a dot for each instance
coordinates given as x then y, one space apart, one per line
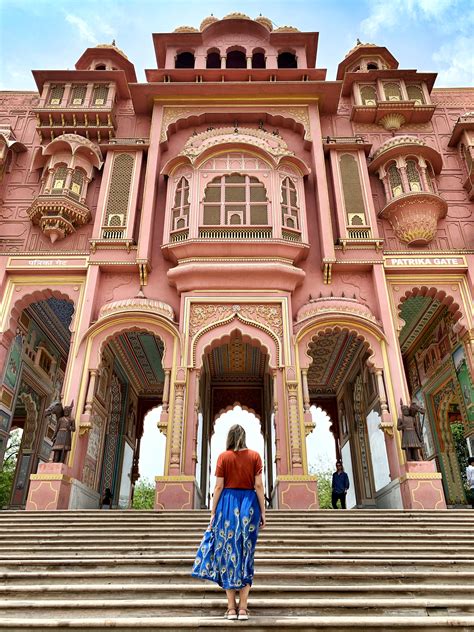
226 553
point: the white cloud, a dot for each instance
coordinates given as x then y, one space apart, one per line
84 30
447 14
457 62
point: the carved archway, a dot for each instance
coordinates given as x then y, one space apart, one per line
450 297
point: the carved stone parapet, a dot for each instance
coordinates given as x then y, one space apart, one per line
58 215
414 216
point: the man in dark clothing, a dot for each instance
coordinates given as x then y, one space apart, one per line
340 485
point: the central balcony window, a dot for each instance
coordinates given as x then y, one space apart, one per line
235 198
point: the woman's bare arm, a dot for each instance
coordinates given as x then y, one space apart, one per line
261 498
216 495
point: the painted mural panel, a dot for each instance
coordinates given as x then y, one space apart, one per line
465 384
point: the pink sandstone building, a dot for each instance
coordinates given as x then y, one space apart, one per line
237 230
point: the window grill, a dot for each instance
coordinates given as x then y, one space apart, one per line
368 94
392 92
415 93
56 94
235 199
59 178
413 176
120 188
78 94
77 182
395 180
289 204
100 94
352 188
180 210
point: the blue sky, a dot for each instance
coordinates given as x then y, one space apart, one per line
430 35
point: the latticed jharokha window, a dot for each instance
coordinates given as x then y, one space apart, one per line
289 204
100 94
235 199
413 176
77 183
59 178
368 94
395 180
415 93
56 94
119 190
78 94
352 190
180 210
392 92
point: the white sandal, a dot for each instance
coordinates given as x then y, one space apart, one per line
231 617
243 617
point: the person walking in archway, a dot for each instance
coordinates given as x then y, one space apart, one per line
340 485
226 552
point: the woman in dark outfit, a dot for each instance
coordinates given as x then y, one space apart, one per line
226 553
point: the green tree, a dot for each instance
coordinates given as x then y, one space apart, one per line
324 486
144 494
7 472
460 444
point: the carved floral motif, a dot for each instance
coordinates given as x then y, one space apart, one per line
269 315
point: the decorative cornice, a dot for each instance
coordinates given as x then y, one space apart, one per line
270 143
137 304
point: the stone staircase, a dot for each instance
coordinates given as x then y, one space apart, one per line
315 570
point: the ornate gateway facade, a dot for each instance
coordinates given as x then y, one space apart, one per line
237 229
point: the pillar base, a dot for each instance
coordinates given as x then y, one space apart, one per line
50 488
421 486
297 491
175 492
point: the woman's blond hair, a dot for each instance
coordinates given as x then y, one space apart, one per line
236 438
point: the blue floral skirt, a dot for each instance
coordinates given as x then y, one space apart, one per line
226 552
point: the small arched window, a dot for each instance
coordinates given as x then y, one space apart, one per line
415 93
180 210
77 183
59 178
392 91
236 59
101 67
258 59
287 60
235 199
395 180
413 176
289 205
184 60
213 59
372 66
368 94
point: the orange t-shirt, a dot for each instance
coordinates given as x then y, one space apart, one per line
239 469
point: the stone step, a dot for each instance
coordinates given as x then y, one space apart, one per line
118 591
290 564
212 606
388 576
434 622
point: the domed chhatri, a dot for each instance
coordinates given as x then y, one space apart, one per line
113 47
261 19
360 45
211 19
186 29
286 29
236 16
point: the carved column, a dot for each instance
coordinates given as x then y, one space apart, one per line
249 62
223 61
403 174
294 423
163 421
387 424
67 183
308 419
177 426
